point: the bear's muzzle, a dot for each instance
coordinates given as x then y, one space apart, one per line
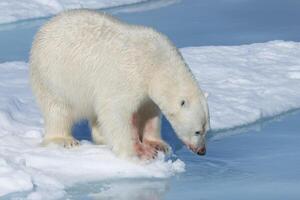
199 151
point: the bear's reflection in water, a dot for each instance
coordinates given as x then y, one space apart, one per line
131 190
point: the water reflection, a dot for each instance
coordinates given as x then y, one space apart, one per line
131 189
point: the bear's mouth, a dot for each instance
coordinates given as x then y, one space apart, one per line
201 151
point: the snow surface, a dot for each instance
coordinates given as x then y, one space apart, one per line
245 83
248 82
15 10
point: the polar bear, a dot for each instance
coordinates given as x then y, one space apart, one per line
121 77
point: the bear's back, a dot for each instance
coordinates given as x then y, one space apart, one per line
87 40
75 27
97 36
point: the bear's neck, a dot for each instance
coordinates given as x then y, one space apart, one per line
165 85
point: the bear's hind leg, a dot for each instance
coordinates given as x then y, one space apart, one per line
57 114
58 125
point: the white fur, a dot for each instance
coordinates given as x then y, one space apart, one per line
89 65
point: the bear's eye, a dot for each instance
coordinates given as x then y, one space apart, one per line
182 103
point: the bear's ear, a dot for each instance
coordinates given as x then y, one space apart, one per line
206 94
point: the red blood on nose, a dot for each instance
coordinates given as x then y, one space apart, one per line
202 151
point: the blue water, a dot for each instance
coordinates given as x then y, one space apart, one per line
259 161
187 23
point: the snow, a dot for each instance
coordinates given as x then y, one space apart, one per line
13 179
245 83
15 10
248 82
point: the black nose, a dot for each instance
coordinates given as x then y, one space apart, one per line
202 151
197 133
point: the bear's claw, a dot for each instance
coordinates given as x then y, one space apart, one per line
145 152
158 145
64 142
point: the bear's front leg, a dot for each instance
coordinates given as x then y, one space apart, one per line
143 150
121 134
151 135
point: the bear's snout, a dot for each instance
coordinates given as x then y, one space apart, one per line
201 151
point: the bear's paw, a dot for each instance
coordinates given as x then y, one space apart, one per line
66 142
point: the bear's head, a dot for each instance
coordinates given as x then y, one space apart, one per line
189 117
183 103
173 87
